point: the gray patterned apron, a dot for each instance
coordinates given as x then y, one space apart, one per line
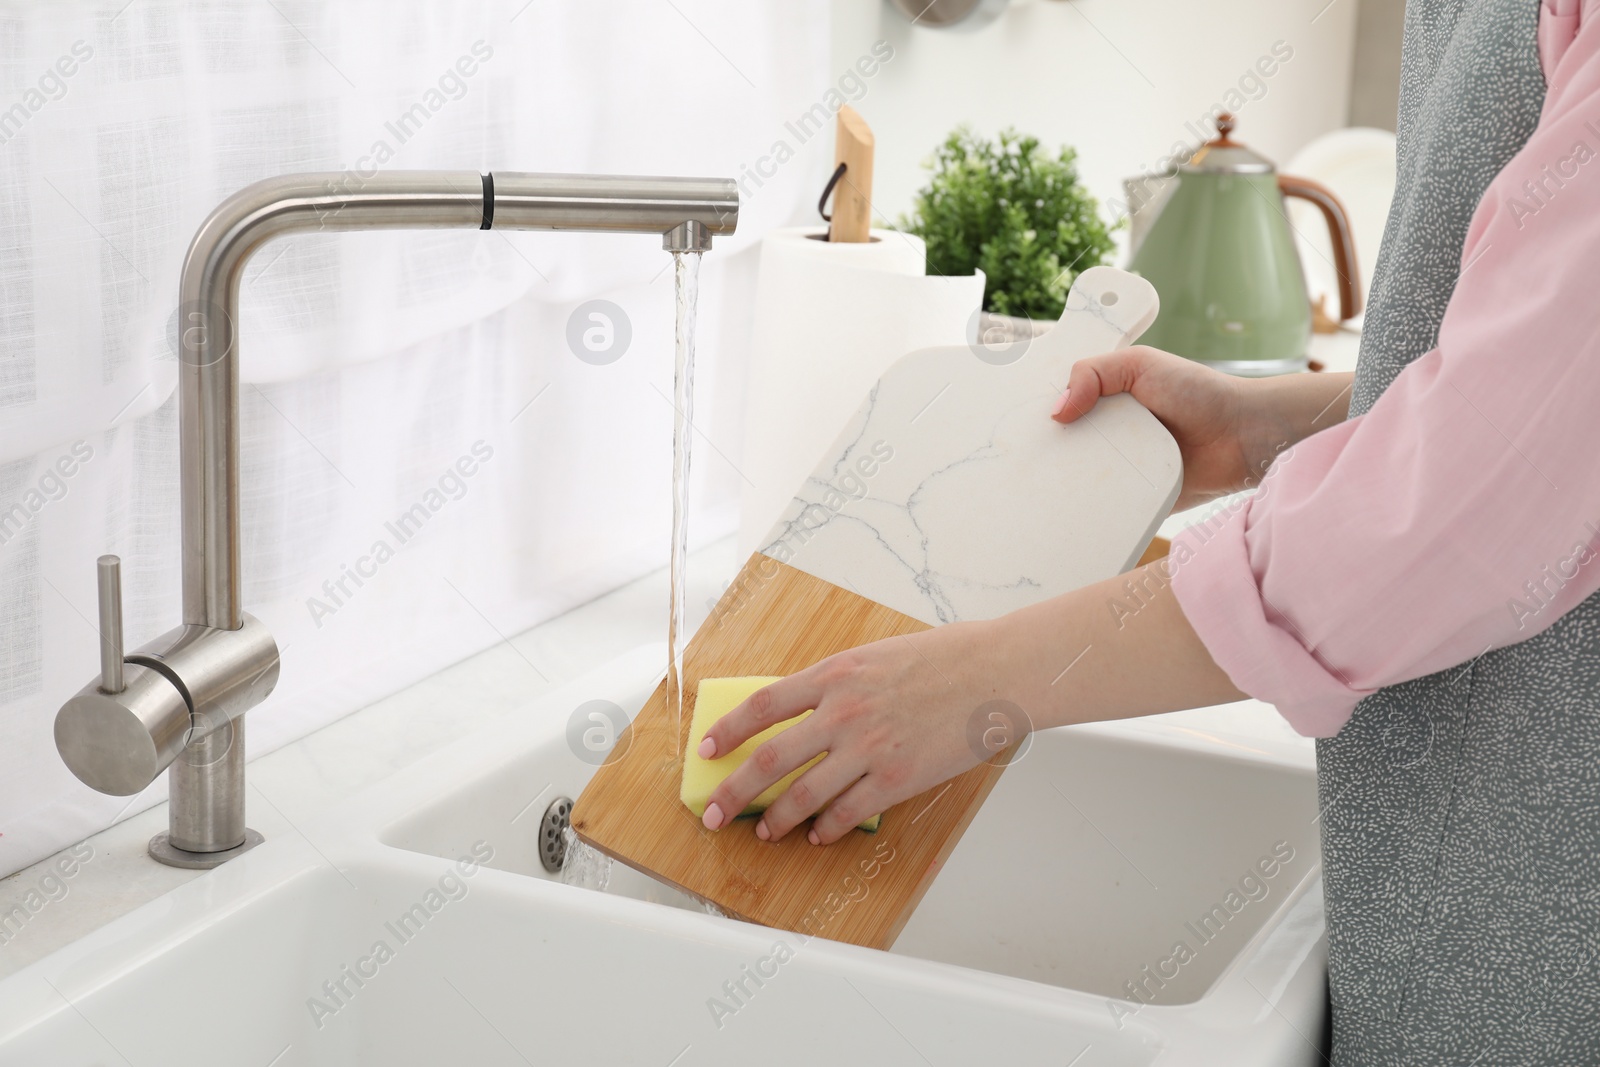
1461 812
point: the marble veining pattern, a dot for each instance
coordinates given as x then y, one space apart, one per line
951 494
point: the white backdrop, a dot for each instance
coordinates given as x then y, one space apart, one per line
122 126
1123 81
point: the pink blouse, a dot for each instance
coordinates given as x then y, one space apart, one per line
1462 512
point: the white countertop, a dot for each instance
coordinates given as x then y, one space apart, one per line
1337 351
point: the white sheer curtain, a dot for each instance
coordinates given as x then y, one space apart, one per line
382 370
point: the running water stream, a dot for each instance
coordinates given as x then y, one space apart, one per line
585 866
687 269
588 868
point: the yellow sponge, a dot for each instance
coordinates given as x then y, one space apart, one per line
715 698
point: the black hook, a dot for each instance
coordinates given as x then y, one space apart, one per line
827 191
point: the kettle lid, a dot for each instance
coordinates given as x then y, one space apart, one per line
1225 155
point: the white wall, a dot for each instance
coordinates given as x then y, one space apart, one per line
1117 79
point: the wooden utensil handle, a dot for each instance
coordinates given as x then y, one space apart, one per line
852 196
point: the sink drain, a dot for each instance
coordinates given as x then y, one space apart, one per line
552 834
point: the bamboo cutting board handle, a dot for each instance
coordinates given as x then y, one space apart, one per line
852 197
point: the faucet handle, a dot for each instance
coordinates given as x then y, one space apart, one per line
110 576
127 726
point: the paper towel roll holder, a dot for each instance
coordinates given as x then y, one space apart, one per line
853 146
822 209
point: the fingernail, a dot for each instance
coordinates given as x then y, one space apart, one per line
811 835
708 748
1061 405
762 831
713 817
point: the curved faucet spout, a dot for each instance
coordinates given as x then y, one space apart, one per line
685 211
183 701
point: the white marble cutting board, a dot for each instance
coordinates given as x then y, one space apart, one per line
952 494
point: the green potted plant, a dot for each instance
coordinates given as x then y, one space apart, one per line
1014 211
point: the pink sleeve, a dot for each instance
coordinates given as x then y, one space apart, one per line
1462 512
1558 28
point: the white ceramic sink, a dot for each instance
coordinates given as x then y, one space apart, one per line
1099 850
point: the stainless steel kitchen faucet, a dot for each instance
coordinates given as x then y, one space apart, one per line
180 700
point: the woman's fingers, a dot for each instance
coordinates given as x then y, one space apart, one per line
849 809
807 794
783 699
772 759
1096 377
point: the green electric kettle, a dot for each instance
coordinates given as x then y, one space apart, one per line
1221 255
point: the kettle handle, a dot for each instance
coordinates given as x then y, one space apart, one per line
1340 235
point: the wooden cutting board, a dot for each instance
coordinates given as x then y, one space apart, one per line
950 495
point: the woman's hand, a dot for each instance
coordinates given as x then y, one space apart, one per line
1229 429
892 717
898 717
